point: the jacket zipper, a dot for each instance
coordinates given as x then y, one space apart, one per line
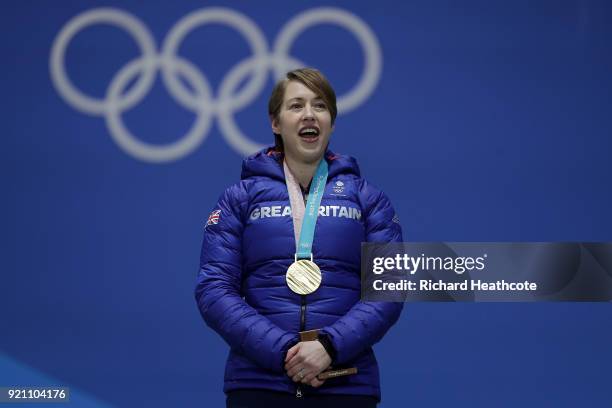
303 314
298 390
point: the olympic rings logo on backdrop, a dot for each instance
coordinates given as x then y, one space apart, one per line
200 100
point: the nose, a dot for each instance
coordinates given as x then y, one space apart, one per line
308 112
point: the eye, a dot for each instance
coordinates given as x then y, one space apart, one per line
295 106
320 106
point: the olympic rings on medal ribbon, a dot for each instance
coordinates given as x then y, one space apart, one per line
200 99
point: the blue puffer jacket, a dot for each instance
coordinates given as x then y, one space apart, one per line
241 291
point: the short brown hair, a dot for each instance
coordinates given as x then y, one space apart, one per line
311 78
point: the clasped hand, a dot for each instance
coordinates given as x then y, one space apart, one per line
305 361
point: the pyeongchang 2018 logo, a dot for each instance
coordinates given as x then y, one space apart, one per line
200 99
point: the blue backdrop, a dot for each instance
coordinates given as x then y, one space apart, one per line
483 121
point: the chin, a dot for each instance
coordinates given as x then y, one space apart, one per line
312 154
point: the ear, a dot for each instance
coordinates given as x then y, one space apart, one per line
275 125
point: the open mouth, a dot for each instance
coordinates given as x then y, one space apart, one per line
309 134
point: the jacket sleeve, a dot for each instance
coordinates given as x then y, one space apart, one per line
367 322
219 284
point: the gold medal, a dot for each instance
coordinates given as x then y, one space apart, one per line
303 277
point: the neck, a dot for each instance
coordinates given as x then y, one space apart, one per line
303 172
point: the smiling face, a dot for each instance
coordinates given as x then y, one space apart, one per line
304 123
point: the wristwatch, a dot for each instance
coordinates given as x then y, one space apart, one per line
327 345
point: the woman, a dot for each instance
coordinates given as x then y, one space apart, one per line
281 255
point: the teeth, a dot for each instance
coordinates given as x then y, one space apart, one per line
309 131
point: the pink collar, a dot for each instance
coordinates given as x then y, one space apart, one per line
296 200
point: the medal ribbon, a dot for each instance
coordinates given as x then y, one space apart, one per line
305 228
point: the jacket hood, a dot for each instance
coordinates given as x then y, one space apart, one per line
268 163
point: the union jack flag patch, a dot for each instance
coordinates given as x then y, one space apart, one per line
213 218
